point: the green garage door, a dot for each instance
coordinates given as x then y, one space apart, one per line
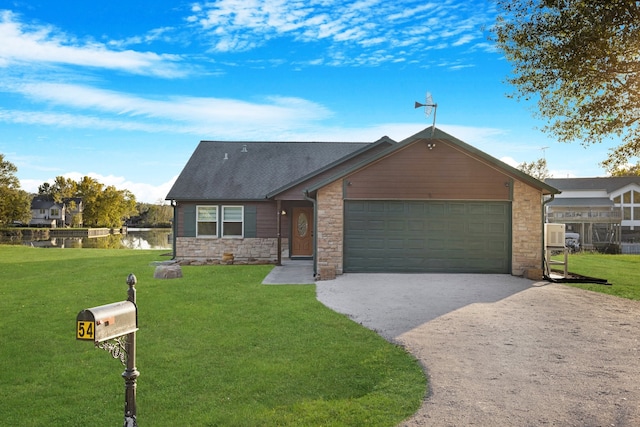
427 236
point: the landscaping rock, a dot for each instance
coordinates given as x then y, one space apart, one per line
173 271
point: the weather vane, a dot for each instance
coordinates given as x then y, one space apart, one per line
429 106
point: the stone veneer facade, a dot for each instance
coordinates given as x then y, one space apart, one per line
526 217
329 230
526 229
244 251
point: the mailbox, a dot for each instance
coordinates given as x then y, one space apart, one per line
105 322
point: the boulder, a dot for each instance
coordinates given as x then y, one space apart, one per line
172 271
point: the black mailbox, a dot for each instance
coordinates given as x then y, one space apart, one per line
105 322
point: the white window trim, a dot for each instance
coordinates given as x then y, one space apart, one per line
207 236
222 221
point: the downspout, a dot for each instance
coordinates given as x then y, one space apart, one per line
315 231
279 231
544 208
174 227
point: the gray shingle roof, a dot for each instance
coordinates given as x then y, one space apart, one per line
220 170
608 184
44 204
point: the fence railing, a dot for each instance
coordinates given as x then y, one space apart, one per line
591 216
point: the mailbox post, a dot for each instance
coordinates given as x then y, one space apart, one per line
118 322
131 373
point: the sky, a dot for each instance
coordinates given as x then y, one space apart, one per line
123 91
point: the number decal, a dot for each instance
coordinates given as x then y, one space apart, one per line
85 330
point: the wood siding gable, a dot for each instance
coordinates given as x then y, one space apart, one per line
419 171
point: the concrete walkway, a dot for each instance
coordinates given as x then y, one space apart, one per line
291 272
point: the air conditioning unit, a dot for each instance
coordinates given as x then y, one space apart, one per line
554 235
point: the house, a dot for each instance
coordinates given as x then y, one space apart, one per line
47 213
605 212
429 203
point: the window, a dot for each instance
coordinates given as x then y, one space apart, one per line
55 212
207 221
232 224
629 203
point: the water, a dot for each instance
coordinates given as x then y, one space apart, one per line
141 238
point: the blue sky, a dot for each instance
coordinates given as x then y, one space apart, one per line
123 91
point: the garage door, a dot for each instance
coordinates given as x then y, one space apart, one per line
427 236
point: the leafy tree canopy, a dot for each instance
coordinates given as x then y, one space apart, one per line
627 171
537 169
15 204
580 59
7 174
103 206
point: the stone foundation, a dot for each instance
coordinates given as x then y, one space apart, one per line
195 251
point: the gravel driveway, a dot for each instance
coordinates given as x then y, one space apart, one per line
504 351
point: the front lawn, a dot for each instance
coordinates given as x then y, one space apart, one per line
215 348
622 271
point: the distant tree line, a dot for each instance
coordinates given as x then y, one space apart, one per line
152 215
103 206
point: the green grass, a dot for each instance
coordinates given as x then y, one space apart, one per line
215 348
622 271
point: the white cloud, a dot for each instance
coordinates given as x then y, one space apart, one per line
465 39
104 109
41 45
510 161
339 28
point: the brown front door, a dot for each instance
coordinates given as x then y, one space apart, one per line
302 232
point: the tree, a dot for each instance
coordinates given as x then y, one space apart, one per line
579 59
113 206
89 190
627 171
64 188
7 174
537 169
15 204
154 215
103 207
45 191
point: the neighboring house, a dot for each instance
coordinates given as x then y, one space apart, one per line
47 213
74 208
604 211
421 205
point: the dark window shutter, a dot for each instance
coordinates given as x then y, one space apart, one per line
250 221
189 220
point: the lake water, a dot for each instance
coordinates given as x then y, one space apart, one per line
141 238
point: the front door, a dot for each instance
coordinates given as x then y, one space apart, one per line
302 232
